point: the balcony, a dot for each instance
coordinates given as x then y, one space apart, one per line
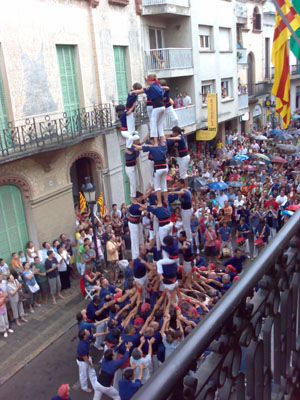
241 56
243 101
259 89
166 7
48 132
186 116
241 12
294 70
169 63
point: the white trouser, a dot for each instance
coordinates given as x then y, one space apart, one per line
133 177
130 138
160 180
164 231
273 232
130 120
187 267
136 238
170 112
151 172
186 220
165 261
149 111
157 122
183 164
109 391
85 371
100 329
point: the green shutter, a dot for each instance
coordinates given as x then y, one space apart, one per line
68 78
125 179
13 227
5 142
121 74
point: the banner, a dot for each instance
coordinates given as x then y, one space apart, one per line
212 119
101 204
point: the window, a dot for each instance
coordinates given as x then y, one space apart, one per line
256 19
267 58
68 78
206 87
3 108
157 38
226 89
205 37
121 73
225 39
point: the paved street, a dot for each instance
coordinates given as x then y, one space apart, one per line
54 366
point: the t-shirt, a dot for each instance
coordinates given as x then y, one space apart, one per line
112 256
31 281
210 238
127 389
146 372
80 250
40 268
49 264
225 233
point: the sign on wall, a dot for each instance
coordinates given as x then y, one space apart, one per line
257 111
212 119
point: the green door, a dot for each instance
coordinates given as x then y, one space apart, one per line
68 78
13 227
125 179
121 73
5 140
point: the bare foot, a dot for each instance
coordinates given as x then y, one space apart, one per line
53 301
23 319
60 296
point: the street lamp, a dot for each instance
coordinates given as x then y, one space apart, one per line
89 192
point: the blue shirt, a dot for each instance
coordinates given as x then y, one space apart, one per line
110 367
225 233
139 268
29 282
109 290
83 347
159 153
241 229
86 325
131 99
154 92
160 212
60 398
123 120
91 309
134 209
237 263
127 389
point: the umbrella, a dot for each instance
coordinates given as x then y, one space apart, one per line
287 147
276 132
234 162
235 184
195 182
296 116
241 157
293 207
258 162
278 160
248 168
219 185
282 138
263 156
288 213
260 137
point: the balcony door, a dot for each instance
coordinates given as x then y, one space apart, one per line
121 73
157 39
5 139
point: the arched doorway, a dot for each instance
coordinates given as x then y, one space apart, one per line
13 226
251 73
81 168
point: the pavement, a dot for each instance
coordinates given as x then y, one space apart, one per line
44 327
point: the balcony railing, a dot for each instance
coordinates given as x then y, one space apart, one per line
243 101
186 116
242 56
166 59
46 131
247 346
294 70
259 89
181 3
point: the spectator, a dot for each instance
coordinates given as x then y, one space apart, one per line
186 100
14 290
52 265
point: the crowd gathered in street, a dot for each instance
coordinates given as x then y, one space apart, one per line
153 269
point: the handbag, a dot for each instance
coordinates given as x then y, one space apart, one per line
259 242
35 288
240 241
226 252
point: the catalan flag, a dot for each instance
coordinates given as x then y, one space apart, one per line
82 203
293 45
101 204
280 59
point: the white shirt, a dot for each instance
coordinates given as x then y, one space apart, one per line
238 202
186 101
281 199
148 365
62 264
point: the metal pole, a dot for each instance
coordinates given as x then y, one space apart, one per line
286 22
98 261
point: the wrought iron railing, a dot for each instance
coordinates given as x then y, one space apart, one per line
259 89
183 3
252 335
165 59
47 130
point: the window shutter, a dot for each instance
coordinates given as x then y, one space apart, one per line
121 73
13 227
5 141
68 78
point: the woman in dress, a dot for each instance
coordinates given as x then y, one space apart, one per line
14 289
31 252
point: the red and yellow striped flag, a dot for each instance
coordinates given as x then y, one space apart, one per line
280 59
82 203
101 204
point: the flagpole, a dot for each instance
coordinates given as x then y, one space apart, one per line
297 40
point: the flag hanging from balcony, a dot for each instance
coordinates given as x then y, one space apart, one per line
101 204
280 59
293 45
82 203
